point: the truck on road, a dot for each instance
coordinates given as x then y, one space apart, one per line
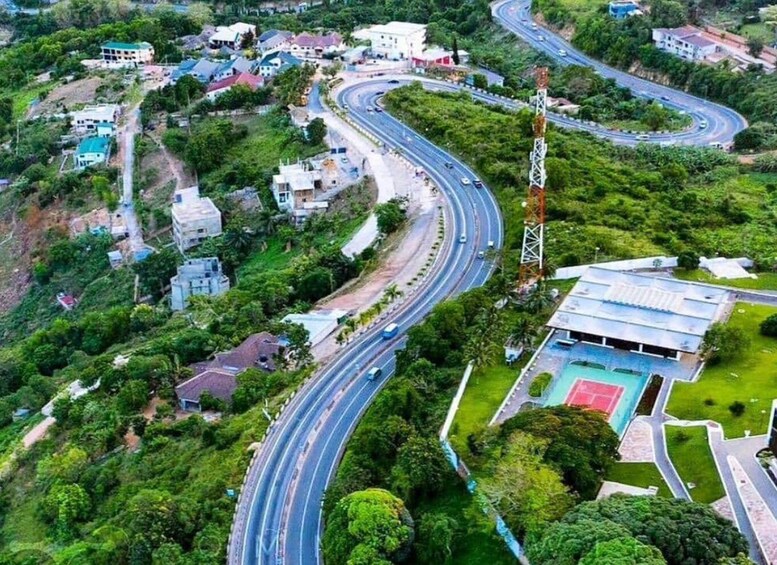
390 331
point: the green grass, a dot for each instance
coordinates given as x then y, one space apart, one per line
759 31
751 379
474 545
765 281
581 9
642 475
485 391
691 455
22 98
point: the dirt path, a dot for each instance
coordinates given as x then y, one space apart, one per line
182 179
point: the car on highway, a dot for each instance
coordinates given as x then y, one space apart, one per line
664 97
448 165
393 81
541 37
465 181
374 373
703 124
643 137
481 254
378 109
463 238
534 25
562 52
380 93
370 109
478 183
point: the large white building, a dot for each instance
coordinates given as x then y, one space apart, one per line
639 313
122 54
197 277
87 120
396 40
195 218
686 42
231 36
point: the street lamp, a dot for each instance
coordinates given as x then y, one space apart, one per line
596 255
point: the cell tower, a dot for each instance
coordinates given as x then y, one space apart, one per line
531 268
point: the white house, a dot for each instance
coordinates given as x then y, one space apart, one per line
396 40
316 46
91 151
686 42
87 120
231 36
117 53
234 67
294 189
195 218
274 63
197 277
274 40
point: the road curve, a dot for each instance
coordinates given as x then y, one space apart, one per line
279 518
722 123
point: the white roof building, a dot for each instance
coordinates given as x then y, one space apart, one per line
318 323
87 119
231 36
396 40
195 218
639 313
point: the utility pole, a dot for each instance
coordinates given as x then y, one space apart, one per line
532 267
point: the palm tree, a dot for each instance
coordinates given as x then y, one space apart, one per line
265 222
238 239
392 293
523 332
537 300
351 324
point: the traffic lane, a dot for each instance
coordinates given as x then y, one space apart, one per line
505 13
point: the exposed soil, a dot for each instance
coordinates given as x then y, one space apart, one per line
65 97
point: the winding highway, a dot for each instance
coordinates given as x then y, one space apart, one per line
278 518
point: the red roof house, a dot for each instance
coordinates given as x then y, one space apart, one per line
220 87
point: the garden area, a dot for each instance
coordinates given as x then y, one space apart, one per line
737 393
641 475
765 281
690 453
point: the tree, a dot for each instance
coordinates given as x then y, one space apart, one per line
769 326
751 138
200 13
685 532
527 492
623 551
655 116
371 524
523 332
456 58
436 537
582 445
132 397
667 13
391 215
154 517
420 468
156 270
724 342
479 81
66 504
769 17
688 260
565 544
755 46
315 131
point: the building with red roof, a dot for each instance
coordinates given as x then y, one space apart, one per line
220 87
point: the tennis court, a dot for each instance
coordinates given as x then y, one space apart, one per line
613 392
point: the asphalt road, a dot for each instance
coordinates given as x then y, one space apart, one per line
279 517
722 123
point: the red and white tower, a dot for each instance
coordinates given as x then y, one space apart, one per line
531 267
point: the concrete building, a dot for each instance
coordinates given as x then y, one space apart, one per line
220 87
231 36
201 69
197 277
316 46
294 189
685 42
234 67
274 40
318 323
396 40
92 151
87 120
117 53
437 57
277 62
639 313
195 218
621 9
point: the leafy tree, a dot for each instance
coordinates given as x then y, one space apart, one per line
154 517
623 551
724 342
420 469
436 537
667 13
369 526
769 326
132 397
456 58
566 543
156 270
688 260
582 445
526 491
66 504
67 466
479 81
755 46
391 215
684 532
316 131
750 138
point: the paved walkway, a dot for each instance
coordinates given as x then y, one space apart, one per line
656 421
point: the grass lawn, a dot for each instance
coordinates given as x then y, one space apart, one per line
474 545
22 98
639 475
485 391
582 8
765 281
691 455
751 379
758 31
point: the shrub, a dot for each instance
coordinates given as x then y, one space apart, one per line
737 408
769 326
539 384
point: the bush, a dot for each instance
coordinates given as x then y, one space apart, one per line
737 408
539 384
769 326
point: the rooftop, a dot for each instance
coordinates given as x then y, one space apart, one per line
249 80
220 384
98 113
398 28
306 39
681 32
639 308
188 205
126 46
297 177
270 33
93 145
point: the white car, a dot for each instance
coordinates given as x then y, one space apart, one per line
541 37
465 181
463 238
562 52
643 137
703 124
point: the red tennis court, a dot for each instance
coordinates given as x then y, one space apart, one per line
595 395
